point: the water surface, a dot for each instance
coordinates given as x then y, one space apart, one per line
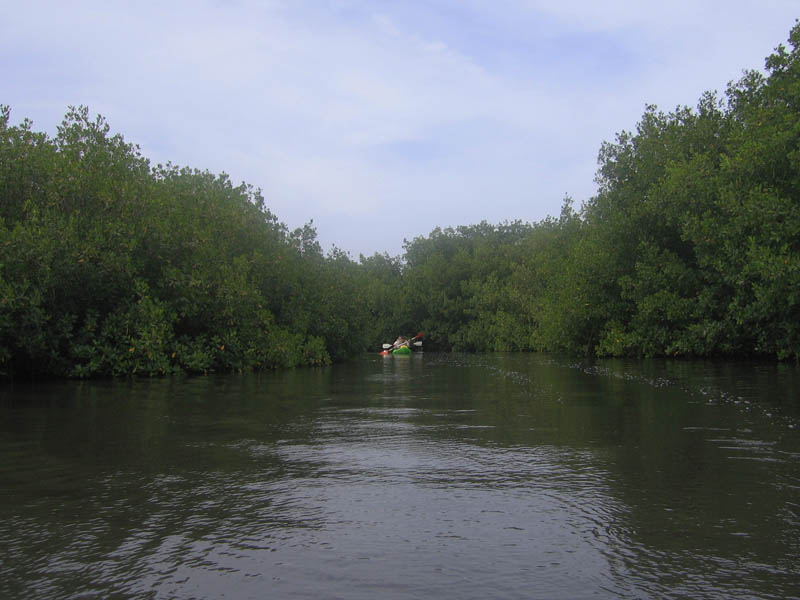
446 476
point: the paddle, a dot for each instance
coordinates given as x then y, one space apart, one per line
389 347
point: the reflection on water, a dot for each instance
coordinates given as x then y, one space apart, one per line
512 476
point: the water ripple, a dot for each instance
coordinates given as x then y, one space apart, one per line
485 480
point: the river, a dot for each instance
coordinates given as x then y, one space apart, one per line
430 476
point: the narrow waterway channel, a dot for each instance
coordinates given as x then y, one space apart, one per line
430 476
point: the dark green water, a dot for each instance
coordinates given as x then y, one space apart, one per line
431 476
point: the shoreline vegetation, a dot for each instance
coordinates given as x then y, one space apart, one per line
112 267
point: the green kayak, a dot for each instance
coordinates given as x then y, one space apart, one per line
402 345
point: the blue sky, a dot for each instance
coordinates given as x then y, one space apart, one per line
381 120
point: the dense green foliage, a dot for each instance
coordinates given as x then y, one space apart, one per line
691 247
109 266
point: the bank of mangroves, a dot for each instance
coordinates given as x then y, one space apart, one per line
110 266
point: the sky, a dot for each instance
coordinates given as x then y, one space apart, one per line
381 119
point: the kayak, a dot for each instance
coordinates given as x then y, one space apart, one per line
400 350
404 347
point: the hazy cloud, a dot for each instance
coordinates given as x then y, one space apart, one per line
381 119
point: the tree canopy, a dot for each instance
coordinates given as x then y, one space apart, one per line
691 246
111 266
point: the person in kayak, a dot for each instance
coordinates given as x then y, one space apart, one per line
400 342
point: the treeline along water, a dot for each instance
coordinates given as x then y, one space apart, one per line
448 476
691 247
